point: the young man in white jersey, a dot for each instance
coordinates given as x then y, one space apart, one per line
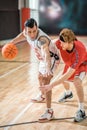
47 54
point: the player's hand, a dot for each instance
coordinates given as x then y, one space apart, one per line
48 73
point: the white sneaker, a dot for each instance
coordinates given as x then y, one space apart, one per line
80 115
47 116
65 96
38 99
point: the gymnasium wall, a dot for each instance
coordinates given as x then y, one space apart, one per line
57 14
9 19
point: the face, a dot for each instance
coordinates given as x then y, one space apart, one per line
64 45
32 32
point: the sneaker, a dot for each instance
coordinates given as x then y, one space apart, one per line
38 99
47 116
64 97
80 115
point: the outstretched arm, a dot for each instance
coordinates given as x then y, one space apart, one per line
58 80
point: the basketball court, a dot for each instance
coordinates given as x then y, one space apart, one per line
18 76
19 83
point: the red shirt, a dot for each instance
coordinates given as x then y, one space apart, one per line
74 59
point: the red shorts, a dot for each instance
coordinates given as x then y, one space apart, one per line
82 68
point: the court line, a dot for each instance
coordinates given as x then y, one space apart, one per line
20 114
13 70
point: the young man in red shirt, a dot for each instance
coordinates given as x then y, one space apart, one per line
74 55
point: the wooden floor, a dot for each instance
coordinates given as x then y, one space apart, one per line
18 84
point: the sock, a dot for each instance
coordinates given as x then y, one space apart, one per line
49 108
81 107
68 92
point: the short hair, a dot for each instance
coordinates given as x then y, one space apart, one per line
30 23
67 35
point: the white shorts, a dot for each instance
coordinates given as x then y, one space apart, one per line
42 66
82 75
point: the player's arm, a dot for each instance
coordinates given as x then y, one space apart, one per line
44 42
64 77
57 80
19 38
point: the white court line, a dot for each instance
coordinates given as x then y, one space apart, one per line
13 70
20 114
24 110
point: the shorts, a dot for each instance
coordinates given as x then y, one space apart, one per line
42 66
80 72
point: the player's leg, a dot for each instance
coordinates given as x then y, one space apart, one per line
41 97
80 114
67 94
48 115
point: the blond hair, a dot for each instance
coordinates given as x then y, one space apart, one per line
67 35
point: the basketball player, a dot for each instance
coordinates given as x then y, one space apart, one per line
47 54
74 55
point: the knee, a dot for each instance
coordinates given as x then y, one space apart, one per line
77 82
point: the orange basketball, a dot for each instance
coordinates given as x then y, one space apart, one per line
9 51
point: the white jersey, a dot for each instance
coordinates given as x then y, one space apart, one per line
36 47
